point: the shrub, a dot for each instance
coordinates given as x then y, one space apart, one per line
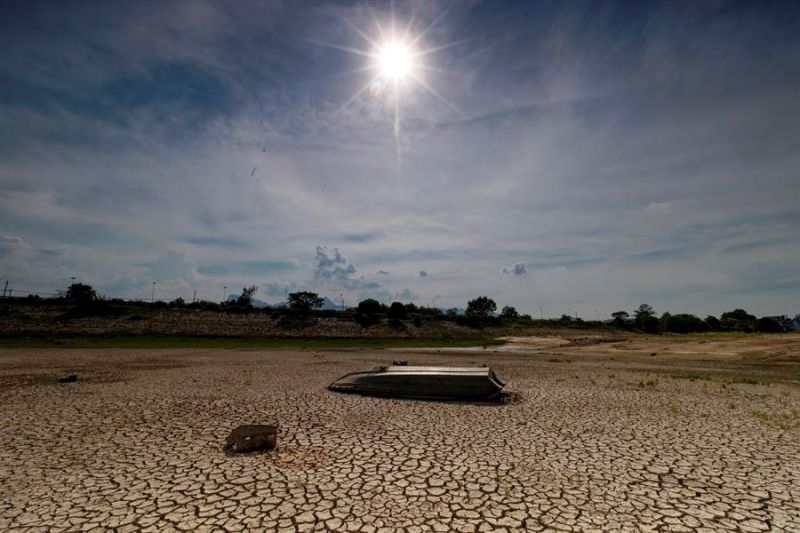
429 312
293 321
368 319
98 308
469 321
768 325
204 305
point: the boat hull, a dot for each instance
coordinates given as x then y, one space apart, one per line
428 383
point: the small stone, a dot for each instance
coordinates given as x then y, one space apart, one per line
72 378
251 438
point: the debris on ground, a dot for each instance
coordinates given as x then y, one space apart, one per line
251 438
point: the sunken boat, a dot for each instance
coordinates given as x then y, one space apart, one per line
423 383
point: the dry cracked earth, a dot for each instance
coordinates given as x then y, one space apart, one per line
585 442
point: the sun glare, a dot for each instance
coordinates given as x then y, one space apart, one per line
394 61
397 61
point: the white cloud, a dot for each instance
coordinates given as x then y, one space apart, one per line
659 207
334 269
10 240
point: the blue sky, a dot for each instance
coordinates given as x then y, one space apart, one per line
574 156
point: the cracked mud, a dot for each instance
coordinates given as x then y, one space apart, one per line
590 443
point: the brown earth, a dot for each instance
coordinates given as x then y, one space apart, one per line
601 436
48 320
766 348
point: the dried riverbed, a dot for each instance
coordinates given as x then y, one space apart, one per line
594 438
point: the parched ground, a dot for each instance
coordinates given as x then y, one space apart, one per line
597 435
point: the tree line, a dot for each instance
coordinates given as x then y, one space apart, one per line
480 312
646 320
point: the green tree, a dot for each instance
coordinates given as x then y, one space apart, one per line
713 323
509 313
246 298
662 322
304 301
645 319
620 318
397 311
738 320
370 306
683 323
738 314
481 307
80 293
431 312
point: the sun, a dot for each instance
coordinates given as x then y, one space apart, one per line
395 60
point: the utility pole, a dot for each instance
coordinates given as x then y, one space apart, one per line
224 293
5 288
194 296
153 295
342 297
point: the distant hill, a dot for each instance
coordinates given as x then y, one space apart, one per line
330 304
